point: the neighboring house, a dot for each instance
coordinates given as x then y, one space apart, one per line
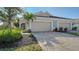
46 22
1 23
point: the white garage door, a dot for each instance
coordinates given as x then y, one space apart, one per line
41 26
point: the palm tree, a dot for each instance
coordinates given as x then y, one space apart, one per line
8 13
29 17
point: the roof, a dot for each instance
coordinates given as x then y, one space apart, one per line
41 13
48 15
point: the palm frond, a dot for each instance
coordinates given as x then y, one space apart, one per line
29 16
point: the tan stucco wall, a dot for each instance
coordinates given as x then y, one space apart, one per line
44 23
65 24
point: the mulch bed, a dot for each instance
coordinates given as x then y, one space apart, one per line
26 40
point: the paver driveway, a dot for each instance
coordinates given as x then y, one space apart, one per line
55 41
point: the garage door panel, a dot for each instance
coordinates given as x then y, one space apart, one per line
41 26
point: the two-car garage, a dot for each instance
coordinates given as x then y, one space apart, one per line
38 26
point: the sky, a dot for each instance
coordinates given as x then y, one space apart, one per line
67 12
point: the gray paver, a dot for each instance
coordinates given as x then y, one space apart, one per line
55 41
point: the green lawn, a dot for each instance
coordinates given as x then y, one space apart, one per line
30 47
74 33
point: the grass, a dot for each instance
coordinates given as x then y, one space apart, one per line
31 47
74 33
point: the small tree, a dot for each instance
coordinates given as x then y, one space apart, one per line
29 17
8 13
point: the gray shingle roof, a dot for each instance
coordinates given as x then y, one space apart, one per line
48 15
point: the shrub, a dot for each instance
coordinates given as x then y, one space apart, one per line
74 28
60 29
8 36
55 29
16 24
65 29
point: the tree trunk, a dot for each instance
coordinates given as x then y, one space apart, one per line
9 23
9 19
27 25
30 24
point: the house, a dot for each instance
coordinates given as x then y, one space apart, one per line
46 22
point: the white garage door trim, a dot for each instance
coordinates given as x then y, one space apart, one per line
40 26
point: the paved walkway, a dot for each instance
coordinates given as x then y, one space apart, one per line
55 41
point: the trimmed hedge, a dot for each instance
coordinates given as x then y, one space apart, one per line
55 30
8 36
61 29
65 29
74 28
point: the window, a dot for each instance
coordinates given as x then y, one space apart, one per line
23 26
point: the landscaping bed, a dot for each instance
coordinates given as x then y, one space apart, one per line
9 36
61 29
26 43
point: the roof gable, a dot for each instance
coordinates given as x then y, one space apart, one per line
41 13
